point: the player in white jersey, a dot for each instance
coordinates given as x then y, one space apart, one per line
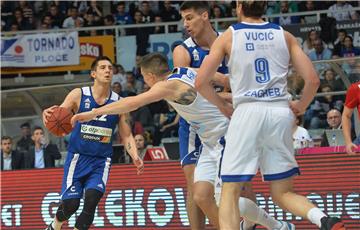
259 54
206 120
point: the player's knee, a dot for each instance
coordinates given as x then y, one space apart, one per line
92 198
67 208
84 221
203 196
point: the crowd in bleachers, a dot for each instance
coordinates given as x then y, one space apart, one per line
158 120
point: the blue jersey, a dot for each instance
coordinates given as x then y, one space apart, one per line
197 55
93 138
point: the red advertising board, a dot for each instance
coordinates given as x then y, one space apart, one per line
155 200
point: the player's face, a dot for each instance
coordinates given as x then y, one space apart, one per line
194 21
103 71
6 145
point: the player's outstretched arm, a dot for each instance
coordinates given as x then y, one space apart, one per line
71 102
129 141
208 68
159 91
346 127
305 68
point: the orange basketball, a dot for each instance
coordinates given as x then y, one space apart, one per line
59 122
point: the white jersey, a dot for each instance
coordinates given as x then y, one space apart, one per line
205 118
258 63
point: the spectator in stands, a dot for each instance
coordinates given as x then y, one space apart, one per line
301 137
308 43
286 20
10 159
6 13
42 154
170 14
47 22
132 84
140 145
119 75
217 13
148 15
57 16
354 75
339 15
339 43
24 144
333 118
109 21
308 6
23 24
74 19
158 29
352 101
95 9
320 53
14 27
117 88
330 79
348 50
27 12
142 34
136 69
121 16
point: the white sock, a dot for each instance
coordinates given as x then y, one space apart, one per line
252 212
315 215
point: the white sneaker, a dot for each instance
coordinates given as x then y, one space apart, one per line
287 226
242 226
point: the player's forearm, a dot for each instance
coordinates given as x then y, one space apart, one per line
346 126
123 106
309 92
130 147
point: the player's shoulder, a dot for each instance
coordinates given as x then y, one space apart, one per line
76 92
189 42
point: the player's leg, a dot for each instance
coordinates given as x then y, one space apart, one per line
278 165
71 192
94 185
86 217
195 214
229 212
189 144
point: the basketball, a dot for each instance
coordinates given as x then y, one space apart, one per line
59 122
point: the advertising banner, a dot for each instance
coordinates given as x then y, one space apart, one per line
301 31
156 199
89 49
40 50
163 43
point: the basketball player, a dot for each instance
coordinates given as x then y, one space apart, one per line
191 53
206 120
259 54
88 160
352 101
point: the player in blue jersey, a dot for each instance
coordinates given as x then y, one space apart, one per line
191 53
259 54
88 160
177 87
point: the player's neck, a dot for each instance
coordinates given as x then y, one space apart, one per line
251 20
207 38
100 90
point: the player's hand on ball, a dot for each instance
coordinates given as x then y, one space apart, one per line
82 117
139 165
47 113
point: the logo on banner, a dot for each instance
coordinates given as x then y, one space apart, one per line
90 50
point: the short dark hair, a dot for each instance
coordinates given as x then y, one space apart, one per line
96 61
253 8
3 138
195 5
156 63
25 125
37 128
